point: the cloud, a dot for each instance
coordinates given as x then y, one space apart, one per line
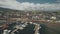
13 4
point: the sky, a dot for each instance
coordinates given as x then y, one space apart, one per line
38 1
45 5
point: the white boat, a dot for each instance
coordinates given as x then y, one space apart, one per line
6 31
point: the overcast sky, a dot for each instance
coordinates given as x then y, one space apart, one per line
46 5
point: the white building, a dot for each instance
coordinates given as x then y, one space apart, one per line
53 17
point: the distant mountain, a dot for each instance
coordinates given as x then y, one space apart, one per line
7 9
